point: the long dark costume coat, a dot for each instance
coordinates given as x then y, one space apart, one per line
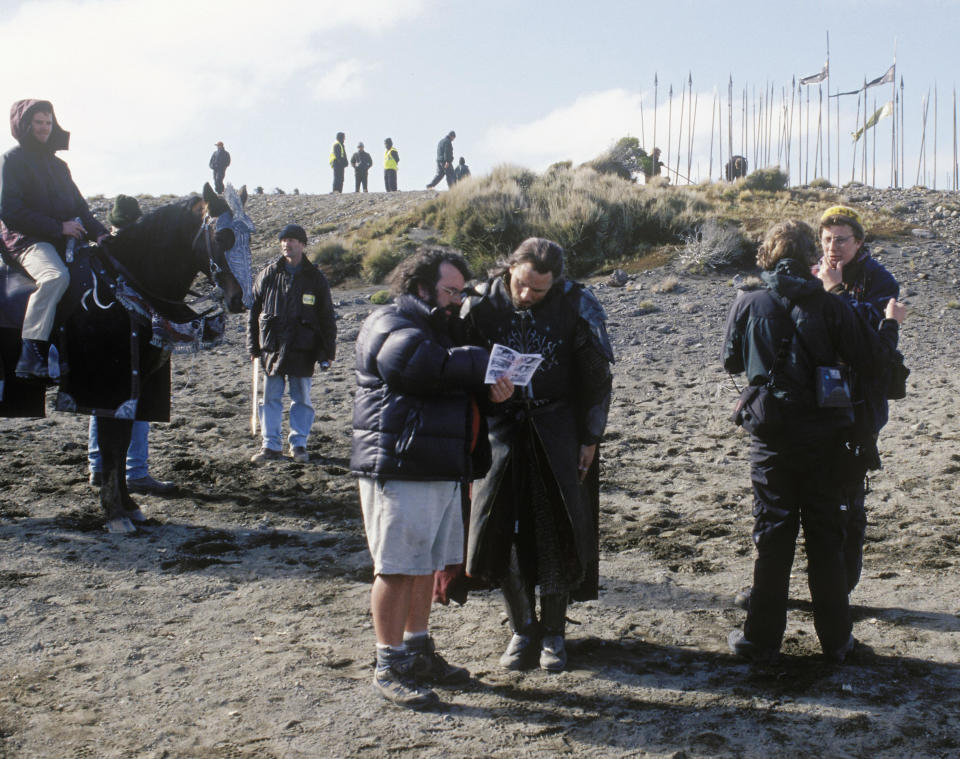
536 438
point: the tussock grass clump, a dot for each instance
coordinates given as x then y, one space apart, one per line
666 285
714 245
597 218
381 297
336 261
381 257
820 183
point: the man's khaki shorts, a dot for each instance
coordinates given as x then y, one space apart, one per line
413 527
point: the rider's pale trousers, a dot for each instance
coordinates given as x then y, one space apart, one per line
49 272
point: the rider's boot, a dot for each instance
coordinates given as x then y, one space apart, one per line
33 361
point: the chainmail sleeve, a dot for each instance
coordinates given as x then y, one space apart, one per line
593 356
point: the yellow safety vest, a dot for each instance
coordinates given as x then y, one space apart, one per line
333 152
388 160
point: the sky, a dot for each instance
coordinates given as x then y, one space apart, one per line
146 87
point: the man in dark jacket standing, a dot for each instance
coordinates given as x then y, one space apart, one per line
781 336
417 443
534 517
338 161
445 161
219 162
40 209
291 327
361 162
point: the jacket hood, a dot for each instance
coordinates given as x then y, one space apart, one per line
791 279
21 114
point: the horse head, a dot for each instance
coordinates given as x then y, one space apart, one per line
224 244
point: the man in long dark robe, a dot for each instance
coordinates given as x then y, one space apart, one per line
534 517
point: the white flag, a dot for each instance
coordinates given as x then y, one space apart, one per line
880 113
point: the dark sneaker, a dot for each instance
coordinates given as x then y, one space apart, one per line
520 652
96 479
838 657
431 667
399 687
742 647
149 485
266 454
742 599
300 454
553 653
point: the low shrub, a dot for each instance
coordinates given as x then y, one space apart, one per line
771 179
381 297
820 183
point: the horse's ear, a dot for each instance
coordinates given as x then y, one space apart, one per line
243 195
209 196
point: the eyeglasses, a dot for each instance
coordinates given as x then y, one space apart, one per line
838 241
451 291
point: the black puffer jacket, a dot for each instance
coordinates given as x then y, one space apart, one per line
291 324
37 193
413 416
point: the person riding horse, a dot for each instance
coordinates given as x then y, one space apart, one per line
41 209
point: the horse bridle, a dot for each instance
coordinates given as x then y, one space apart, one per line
213 268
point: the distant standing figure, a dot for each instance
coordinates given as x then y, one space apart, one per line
736 167
126 210
338 161
462 171
445 161
291 327
391 157
219 162
361 162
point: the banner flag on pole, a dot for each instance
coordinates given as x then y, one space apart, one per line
817 78
885 79
880 113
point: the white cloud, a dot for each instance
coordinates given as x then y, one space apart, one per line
129 75
344 82
576 132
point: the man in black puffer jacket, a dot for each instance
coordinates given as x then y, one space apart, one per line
418 440
291 326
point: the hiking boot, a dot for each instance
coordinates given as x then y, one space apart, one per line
553 653
266 454
838 656
742 599
96 479
431 667
144 485
742 647
520 653
300 454
33 361
396 684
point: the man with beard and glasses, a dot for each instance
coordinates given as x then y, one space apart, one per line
418 440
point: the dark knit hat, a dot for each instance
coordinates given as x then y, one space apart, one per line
294 231
126 210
